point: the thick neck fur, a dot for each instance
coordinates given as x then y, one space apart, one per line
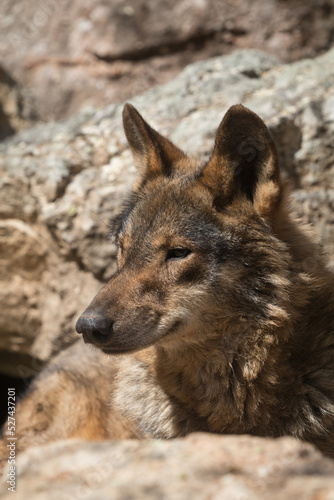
223 382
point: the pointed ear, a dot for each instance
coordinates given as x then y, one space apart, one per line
244 162
152 153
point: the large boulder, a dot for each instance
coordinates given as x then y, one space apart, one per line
61 183
198 467
69 53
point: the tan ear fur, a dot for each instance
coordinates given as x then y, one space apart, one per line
244 162
152 153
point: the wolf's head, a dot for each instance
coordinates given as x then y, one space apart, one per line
198 247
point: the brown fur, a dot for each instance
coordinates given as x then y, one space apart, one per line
213 321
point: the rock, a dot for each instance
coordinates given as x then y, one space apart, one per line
110 51
16 106
61 183
200 466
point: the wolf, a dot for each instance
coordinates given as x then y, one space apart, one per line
214 321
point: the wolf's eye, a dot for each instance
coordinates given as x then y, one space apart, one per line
177 253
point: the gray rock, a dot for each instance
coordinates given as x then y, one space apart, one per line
110 51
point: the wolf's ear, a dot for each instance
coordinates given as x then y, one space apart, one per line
244 162
152 153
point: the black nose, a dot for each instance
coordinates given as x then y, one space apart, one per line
95 329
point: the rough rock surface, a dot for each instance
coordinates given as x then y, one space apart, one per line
199 467
16 106
61 183
69 53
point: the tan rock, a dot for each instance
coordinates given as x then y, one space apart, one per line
198 467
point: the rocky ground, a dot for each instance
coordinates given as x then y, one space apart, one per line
198 467
61 55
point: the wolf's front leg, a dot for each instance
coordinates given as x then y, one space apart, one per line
69 398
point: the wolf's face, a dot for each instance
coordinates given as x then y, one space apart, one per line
197 244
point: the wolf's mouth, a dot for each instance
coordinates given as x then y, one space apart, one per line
121 350
106 350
